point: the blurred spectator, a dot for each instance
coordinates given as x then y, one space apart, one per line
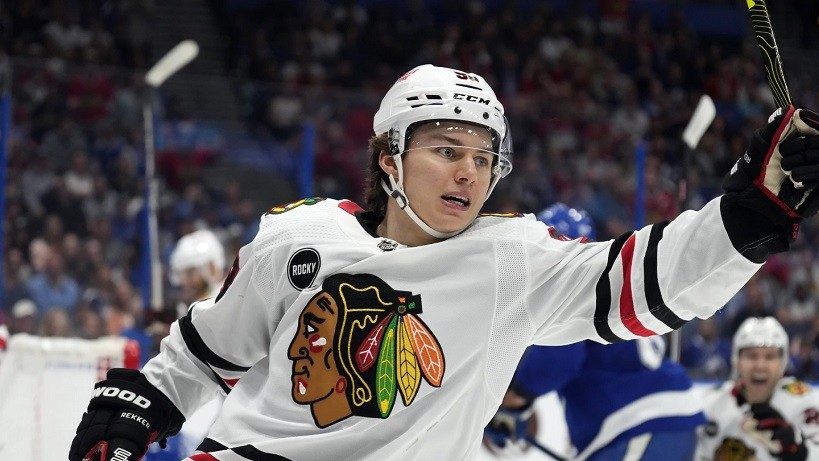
36 180
65 32
61 142
15 273
78 179
89 323
23 318
121 322
804 357
799 310
53 231
755 305
72 252
38 254
59 201
706 354
101 202
54 288
133 31
56 323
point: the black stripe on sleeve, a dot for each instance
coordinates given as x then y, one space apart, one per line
654 297
603 291
246 451
209 445
199 349
254 454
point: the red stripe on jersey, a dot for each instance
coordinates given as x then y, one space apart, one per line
349 206
627 315
2 343
231 383
202 457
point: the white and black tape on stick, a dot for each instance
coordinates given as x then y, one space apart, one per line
177 58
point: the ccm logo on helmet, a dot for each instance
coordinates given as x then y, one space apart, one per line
469 97
123 394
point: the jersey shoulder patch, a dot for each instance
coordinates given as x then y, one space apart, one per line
279 209
796 387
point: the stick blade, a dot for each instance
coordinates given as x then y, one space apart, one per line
703 116
177 58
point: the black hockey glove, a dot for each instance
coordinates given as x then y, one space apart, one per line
772 186
126 414
777 434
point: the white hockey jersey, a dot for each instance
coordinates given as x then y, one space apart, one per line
351 346
726 431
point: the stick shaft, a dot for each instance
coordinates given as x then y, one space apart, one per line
761 24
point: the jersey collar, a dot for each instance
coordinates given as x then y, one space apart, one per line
360 225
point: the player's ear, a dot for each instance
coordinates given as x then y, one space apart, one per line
387 163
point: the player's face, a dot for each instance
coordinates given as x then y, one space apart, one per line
447 172
193 284
759 369
315 375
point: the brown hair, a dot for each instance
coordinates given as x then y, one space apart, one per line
375 197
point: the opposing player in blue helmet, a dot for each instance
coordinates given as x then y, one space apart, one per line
570 222
623 401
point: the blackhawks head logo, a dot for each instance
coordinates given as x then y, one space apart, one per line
358 344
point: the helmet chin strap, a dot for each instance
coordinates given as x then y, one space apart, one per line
395 190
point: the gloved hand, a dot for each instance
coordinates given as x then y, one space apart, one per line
126 414
772 187
510 428
733 449
777 434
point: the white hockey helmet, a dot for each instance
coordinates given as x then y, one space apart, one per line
197 249
759 332
429 93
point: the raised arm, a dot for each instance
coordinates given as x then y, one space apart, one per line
653 280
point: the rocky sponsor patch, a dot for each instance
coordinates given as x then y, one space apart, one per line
303 268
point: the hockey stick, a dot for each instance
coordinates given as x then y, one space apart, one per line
531 441
700 121
510 425
178 57
761 24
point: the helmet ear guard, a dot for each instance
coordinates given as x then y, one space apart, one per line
395 145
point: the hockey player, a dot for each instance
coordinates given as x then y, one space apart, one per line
622 401
760 416
333 312
197 268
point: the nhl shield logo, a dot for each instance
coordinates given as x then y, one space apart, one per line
303 268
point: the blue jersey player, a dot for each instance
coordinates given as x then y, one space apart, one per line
623 401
